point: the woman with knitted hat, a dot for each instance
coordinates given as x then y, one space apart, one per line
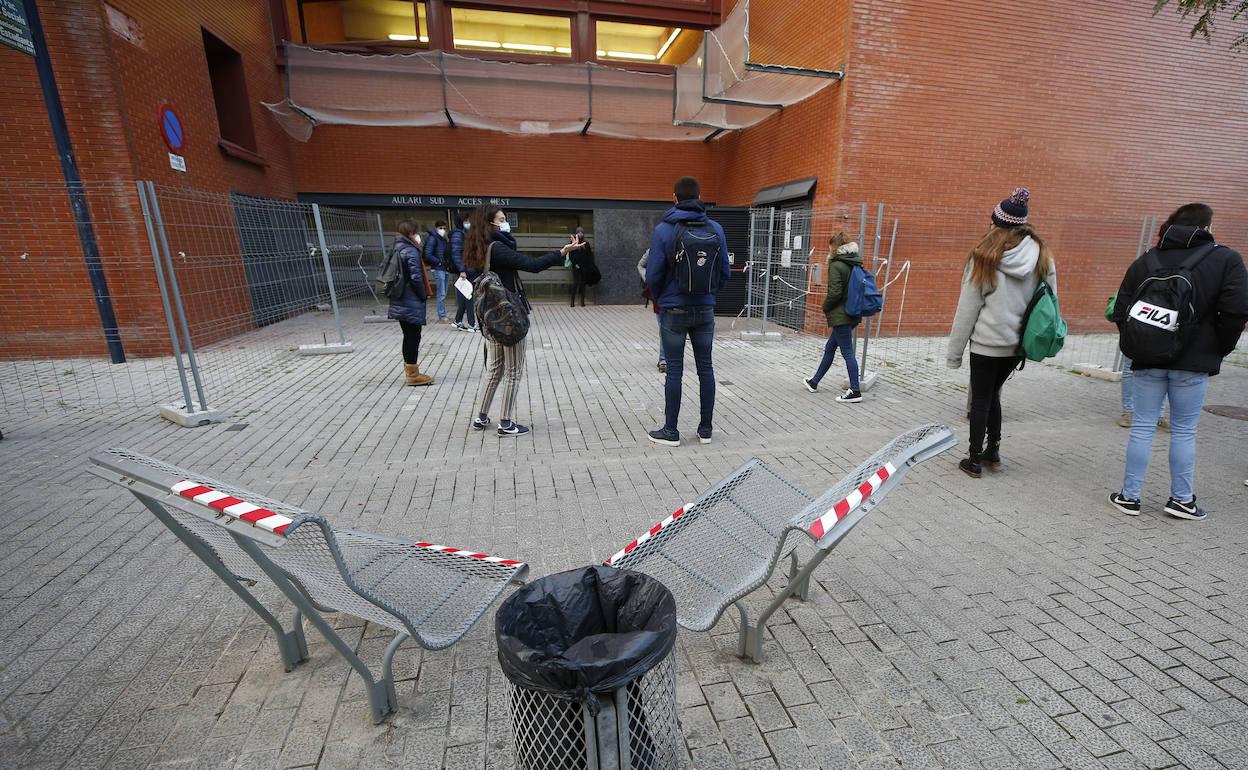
1002 273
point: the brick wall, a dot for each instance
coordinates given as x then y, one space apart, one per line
111 88
464 161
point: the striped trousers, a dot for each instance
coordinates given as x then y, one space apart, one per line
504 366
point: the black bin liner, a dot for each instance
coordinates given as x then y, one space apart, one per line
587 630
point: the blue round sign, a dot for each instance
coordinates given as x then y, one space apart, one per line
171 129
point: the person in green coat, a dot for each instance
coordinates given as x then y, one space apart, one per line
841 263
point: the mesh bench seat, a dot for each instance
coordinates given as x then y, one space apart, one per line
430 593
717 550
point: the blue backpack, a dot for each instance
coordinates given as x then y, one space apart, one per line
862 297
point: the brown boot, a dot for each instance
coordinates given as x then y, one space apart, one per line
412 375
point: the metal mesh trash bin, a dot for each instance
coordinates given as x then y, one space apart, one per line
588 656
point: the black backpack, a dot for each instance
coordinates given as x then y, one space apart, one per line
1164 312
392 276
695 257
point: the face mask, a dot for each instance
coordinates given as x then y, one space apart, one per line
467 225
442 231
505 226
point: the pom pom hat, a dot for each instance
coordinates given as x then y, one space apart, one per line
1012 211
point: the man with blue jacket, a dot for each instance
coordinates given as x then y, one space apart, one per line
687 266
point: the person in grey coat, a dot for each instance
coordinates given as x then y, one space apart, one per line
409 309
645 292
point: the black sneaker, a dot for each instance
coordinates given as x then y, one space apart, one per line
704 435
1184 510
665 437
971 467
1125 504
811 385
512 429
480 423
850 397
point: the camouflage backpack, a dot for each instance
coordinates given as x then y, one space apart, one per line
500 311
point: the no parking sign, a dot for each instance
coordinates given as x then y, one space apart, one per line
174 135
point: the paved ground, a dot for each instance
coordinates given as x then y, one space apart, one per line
1010 622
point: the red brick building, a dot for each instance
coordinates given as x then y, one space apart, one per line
1105 113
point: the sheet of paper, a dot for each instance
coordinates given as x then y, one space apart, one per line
464 286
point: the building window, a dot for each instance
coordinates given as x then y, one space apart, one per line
402 22
229 93
506 32
618 42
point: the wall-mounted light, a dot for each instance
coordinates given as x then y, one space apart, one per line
530 47
629 55
477 43
671 39
421 38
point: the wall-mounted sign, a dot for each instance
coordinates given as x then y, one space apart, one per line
14 31
170 128
177 162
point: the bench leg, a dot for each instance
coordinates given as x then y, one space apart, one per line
798 586
290 644
380 697
751 641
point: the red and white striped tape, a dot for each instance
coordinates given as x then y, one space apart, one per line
232 506
839 511
656 529
469 554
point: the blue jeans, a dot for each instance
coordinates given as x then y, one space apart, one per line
842 337
1186 391
1128 388
658 317
442 280
698 324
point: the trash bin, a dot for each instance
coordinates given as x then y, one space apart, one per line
588 659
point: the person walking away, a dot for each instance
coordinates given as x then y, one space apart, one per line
687 265
436 254
1180 310
409 309
463 302
645 293
1001 276
584 269
490 247
841 263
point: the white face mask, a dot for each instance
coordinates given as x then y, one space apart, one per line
505 226
467 225
442 231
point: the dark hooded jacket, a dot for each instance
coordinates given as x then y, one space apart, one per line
663 287
1220 292
411 306
508 262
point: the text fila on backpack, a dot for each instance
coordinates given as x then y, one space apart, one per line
1161 317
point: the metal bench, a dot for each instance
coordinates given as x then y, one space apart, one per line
423 591
714 552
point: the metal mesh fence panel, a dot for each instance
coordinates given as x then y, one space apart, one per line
77 338
556 734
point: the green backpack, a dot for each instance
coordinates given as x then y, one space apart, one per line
1044 331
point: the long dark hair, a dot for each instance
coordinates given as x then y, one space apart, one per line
477 242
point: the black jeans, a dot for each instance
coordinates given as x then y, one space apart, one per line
411 342
464 305
988 375
577 283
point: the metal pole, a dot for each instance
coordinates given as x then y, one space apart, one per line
164 293
888 273
73 185
329 274
381 238
1146 228
177 297
749 267
875 257
771 236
